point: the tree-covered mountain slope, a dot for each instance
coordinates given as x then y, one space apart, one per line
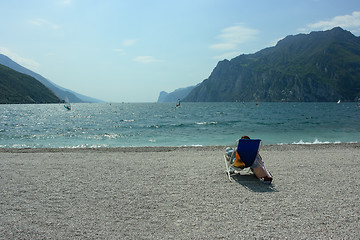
320 66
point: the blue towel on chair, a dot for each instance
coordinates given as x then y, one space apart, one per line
248 149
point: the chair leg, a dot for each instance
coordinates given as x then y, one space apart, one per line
227 167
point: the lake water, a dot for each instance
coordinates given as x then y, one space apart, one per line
162 124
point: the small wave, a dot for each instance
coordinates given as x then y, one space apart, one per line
177 125
104 136
316 141
206 123
128 120
18 146
111 135
85 146
193 145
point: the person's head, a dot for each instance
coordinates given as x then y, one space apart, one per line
245 137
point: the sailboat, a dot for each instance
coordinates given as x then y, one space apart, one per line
67 104
339 101
178 103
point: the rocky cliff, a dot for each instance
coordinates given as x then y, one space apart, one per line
175 95
320 66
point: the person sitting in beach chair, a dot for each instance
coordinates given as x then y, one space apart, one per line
246 155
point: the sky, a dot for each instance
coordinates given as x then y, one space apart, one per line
131 50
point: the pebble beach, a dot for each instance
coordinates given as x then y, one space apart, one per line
179 193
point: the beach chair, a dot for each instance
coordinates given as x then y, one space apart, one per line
243 157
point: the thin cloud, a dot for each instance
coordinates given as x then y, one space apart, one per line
145 59
349 22
231 37
25 62
230 41
125 44
40 22
129 42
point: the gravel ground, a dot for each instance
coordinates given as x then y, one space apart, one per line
178 193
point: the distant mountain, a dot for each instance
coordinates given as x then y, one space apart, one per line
16 87
61 92
320 66
175 95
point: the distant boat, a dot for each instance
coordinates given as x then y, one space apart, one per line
67 104
178 103
68 107
339 101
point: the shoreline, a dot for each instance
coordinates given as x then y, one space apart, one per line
278 147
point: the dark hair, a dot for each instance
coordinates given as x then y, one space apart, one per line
245 137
